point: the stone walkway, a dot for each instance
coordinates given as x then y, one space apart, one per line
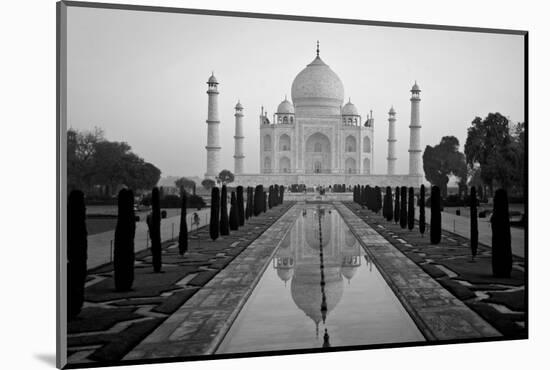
198 326
112 323
100 245
460 225
437 313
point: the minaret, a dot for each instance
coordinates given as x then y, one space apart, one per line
391 142
415 151
213 142
239 138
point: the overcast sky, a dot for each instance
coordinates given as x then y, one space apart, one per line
141 77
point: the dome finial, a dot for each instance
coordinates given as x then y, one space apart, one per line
317 47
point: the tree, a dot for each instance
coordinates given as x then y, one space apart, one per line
226 177
410 214
499 153
124 241
397 209
435 217
389 211
474 235
233 213
224 219
183 235
501 237
264 209
258 200
443 160
185 184
208 184
154 230
422 210
281 194
403 210
270 199
77 252
240 206
215 214
378 199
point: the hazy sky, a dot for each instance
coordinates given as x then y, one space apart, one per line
141 77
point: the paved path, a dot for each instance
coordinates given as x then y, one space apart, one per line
100 245
461 225
437 313
199 325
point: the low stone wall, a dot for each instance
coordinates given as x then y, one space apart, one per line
312 197
311 180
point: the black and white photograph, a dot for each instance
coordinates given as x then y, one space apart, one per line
247 184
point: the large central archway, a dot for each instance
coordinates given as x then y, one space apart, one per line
318 157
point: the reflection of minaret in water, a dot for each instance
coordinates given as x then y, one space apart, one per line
324 308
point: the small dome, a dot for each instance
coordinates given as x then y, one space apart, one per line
285 274
212 79
415 87
349 271
392 111
239 105
349 109
285 107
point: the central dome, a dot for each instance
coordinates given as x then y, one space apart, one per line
317 89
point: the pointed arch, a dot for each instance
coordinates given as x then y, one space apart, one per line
366 144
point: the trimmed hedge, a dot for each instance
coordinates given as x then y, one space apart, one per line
77 252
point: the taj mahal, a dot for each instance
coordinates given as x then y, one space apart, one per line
315 139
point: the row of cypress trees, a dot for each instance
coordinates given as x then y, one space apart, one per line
403 212
257 201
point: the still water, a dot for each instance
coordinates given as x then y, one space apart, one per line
320 290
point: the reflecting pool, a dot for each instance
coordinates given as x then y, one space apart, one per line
321 290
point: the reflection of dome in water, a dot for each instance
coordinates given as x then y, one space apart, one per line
312 231
306 290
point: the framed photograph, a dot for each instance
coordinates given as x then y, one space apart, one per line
240 184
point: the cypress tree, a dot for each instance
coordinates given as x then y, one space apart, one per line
385 206
378 194
125 231
247 210
422 205
258 198
252 201
182 239
276 201
368 201
240 206
474 234
270 200
410 211
435 217
215 214
154 230
389 216
77 252
501 238
403 210
281 194
397 208
224 218
233 213
264 209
